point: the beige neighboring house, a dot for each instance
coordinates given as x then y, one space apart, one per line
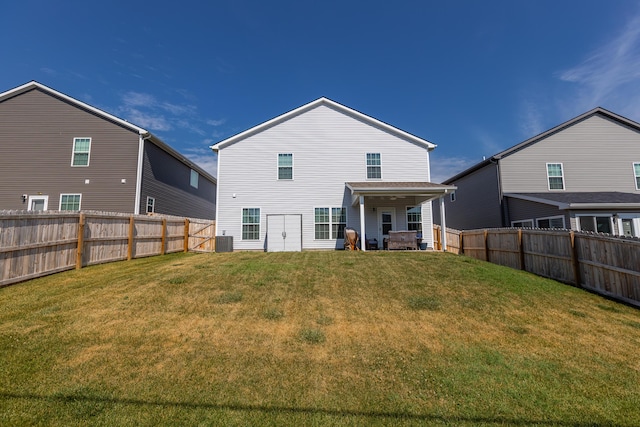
582 175
59 153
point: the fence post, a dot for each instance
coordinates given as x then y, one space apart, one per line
130 239
461 243
186 235
80 241
486 245
521 249
164 236
575 262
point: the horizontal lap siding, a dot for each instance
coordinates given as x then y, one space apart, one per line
167 179
36 139
328 150
597 155
520 210
477 201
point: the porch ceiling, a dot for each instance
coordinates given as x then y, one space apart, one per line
423 191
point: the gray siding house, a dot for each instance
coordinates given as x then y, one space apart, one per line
583 175
58 153
296 181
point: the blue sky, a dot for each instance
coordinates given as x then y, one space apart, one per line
473 77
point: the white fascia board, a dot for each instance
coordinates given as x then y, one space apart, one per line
603 206
367 119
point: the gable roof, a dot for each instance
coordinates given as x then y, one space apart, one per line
524 144
107 116
332 104
35 85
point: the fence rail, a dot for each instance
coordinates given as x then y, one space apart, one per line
604 264
37 244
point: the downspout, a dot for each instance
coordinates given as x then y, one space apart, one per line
142 138
504 214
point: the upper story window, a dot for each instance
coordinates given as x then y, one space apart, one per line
81 150
414 218
70 202
374 166
636 172
452 196
194 179
285 166
555 176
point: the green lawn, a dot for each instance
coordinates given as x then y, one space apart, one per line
314 338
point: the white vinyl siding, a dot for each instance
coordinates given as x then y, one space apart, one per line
81 152
251 224
330 149
636 173
555 176
374 166
285 166
70 202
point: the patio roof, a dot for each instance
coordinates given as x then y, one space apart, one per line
424 190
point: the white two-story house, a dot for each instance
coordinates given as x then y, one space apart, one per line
297 181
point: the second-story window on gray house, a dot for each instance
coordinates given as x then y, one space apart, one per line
636 171
81 151
194 179
555 176
285 166
374 166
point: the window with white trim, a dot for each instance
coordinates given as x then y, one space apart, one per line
330 223
251 224
195 177
414 218
550 222
151 204
81 151
596 223
70 202
338 222
374 166
636 172
285 166
527 223
555 176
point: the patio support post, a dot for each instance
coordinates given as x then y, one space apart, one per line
363 246
443 225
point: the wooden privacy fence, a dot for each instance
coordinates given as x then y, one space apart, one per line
37 244
604 264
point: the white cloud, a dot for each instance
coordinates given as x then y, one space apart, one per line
203 157
530 120
137 99
216 122
146 120
446 167
610 73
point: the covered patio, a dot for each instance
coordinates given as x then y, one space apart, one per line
378 202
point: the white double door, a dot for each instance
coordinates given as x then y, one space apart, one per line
284 233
